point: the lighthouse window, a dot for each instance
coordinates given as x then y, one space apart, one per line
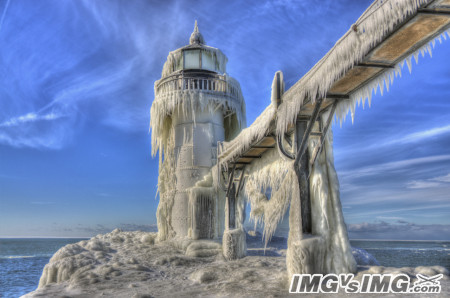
179 64
208 61
192 59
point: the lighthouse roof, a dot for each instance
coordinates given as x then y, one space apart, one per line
196 55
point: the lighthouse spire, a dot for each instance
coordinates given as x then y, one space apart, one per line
196 36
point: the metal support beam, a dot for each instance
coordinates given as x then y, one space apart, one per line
230 200
240 163
337 96
282 150
251 156
230 180
302 147
434 11
241 178
318 149
301 206
375 65
262 147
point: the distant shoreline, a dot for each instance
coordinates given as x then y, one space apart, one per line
399 240
38 237
89 237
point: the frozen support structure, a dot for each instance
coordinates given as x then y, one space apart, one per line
234 240
318 240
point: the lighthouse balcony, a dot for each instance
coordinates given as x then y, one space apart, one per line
208 82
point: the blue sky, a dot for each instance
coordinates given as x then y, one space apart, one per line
76 86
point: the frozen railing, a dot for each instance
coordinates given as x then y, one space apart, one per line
199 81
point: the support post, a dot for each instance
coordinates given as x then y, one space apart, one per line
233 241
302 173
231 201
301 166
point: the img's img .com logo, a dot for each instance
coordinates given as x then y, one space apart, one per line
370 283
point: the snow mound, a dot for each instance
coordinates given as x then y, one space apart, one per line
130 266
203 249
90 261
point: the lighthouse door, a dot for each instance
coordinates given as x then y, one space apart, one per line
205 217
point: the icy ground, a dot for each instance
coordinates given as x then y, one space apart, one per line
131 264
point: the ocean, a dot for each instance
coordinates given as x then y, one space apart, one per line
22 260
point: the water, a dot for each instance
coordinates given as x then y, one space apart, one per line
22 260
407 253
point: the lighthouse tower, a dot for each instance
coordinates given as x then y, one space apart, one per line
196 105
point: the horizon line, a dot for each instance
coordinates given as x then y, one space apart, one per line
90 237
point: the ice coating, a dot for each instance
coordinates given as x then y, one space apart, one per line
327 249
195 106
375 24
135 264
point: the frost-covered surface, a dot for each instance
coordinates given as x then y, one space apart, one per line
170 100
363 258
375 24
275 174
256 131
328 249
129 264
372 27
234 244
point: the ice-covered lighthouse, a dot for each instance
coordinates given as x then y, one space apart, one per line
196 105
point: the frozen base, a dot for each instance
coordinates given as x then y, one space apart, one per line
131 264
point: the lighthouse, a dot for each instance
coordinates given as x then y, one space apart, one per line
196 105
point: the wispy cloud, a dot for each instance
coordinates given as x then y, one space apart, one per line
379 211
422 184
419 136
445 178
431 183
2 18
98 67
401 230
390 218
28 118
102 229
393 166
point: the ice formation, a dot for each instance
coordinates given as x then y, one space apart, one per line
275 175
135 264
376 23
196 105
272 183
86 262
189 109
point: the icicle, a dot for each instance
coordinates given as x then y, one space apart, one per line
408 62
353 111
429 51
416 57
374 25
381 87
